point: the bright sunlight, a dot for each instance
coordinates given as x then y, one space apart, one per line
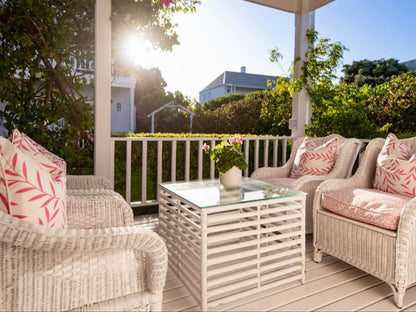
138 51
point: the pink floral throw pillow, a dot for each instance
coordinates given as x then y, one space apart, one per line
396 168
315 160
27 145
28 190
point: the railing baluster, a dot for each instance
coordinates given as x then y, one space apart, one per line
284 151
187 159
159 160
266 153
128 171
275 151
246 154
200 159
256 153
212 163
173 161
112 159
144 172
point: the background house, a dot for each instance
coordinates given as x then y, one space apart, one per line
411 65
234 82
123 111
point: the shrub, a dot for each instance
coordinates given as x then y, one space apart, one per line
393 104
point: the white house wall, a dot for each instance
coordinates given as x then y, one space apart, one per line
222 91
121 112
212 94
122 108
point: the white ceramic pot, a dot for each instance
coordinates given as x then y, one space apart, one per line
232 177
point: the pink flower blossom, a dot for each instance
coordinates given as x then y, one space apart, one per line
236 140
206 147
166 3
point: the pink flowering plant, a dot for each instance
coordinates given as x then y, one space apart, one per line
227 154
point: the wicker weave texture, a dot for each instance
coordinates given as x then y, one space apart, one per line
49 269
102 209
308 184
388 255
87 182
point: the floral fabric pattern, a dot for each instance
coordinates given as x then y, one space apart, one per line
27 145
28 190
314 160
396 168
366 205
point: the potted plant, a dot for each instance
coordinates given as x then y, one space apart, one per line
229 160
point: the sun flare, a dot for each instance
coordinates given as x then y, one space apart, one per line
138 51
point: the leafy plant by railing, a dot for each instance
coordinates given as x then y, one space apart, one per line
152 162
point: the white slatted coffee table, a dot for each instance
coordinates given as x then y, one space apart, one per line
228 243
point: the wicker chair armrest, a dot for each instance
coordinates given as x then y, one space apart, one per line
98 210
406 245
87 182
22 234
272 172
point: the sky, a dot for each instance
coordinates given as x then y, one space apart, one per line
224 35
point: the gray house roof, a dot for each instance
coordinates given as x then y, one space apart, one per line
411 65
240 79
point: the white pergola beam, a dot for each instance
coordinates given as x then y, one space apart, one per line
301 103
102 91
293 6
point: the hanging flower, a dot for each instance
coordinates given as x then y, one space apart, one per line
166 3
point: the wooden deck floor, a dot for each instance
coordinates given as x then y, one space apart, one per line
331 285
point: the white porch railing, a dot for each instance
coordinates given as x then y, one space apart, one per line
259 151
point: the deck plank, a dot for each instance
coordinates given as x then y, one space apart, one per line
331 285
387 304
333 294
362 299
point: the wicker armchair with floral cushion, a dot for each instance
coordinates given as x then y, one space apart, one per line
63 252
53 269
342 161
369 220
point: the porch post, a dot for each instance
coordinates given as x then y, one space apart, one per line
102 92
301 104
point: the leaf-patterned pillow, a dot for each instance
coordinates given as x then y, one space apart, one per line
27 145
28 190
314 160
396 168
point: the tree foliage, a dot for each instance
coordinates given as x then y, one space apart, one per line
372 72
233 116
46 47
392 104
276 108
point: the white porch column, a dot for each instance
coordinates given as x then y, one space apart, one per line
301 104
102 92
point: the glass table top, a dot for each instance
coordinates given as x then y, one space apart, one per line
210 193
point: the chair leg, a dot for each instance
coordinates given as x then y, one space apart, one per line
317 255
398 296
157 305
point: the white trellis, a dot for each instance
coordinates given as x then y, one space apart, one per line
171 104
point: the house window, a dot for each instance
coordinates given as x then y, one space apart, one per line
118 106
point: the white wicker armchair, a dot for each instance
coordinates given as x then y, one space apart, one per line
100 262
387 254
308 184
74 182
